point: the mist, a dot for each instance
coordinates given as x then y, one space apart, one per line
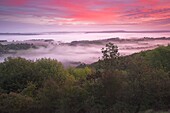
73 55
68 55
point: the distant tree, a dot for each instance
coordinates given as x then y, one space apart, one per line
110 57
110 51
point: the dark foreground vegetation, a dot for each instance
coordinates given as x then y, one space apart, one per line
139 83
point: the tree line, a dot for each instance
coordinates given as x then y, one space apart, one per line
20 46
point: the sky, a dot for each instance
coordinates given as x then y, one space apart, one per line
83 15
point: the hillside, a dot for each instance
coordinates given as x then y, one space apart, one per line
139 83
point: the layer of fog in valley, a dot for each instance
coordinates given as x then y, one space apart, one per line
78 52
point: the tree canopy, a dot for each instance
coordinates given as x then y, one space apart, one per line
139 83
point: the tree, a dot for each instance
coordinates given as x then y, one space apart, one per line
49 68
15 103
110 52
80 73
15 73
110 57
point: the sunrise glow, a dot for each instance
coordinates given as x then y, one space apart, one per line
112 14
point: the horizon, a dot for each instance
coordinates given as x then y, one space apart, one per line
92 31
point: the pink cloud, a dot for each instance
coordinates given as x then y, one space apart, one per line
96 16
90 11
85 11
149 2
13 2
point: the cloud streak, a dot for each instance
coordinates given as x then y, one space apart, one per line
86 12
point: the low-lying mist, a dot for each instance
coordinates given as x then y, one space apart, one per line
87 53
68 55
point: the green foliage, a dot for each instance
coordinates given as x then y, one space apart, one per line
49 97
74 99
15 103
159 58
49 68
15 74
139 83
30 90
80 73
